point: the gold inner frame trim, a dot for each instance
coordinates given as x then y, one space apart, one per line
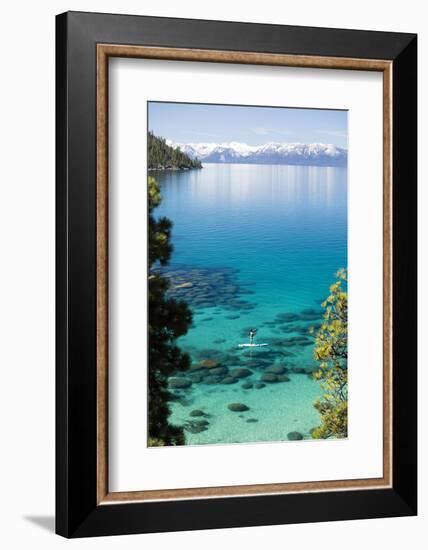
104 51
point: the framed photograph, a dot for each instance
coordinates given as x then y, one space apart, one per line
236 274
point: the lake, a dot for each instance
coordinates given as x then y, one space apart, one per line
255 246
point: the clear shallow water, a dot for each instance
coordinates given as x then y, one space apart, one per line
254 242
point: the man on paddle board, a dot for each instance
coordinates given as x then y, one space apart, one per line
253 332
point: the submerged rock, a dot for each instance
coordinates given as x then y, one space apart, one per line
271 377
195 368
299 370
287 317
240 373
294 436
219 371
208 363
254 364
276 369
200 422
196 426
311 314
259 385
231 360
252 420
246 306
212 380
247 386
197 412
238 407
312 311
180 383
297 341
229 380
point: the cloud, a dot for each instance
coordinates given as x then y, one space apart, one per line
202 134
333 133
262 131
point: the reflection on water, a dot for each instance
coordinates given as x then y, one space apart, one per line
282 226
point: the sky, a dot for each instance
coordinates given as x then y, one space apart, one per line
196 123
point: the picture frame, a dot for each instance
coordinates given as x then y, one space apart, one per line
84 44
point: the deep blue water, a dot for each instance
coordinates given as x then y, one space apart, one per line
276 235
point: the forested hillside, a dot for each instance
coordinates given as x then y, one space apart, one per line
163 157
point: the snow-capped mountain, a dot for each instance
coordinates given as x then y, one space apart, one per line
315 154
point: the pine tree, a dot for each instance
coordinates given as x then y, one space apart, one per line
168 320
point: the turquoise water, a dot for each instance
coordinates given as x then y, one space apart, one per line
254 246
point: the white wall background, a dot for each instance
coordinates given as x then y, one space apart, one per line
27 272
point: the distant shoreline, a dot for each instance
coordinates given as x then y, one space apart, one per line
187 168
276 164
174 168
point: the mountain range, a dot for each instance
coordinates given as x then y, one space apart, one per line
313 154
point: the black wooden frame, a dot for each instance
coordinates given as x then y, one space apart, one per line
77 513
